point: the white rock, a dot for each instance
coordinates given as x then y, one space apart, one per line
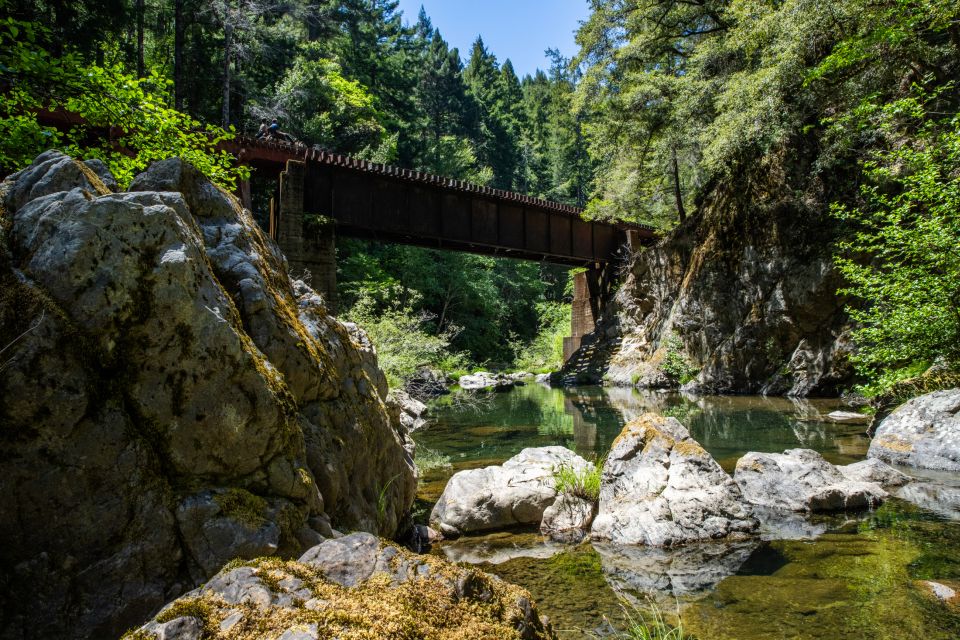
924 432
873 470
661 488
568 519
801 480
496 497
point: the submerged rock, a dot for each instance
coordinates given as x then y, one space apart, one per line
801 480
354 587
924 432
169 399
661 488
516 493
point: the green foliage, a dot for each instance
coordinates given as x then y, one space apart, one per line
675 364
105 99
678 98
326 108
428 460
403 340
544 353
900 256
580 483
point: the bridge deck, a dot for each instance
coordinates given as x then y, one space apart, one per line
372 200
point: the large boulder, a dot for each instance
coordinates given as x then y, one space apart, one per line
515 493
169 399
924 432
353 587
801 480
875 471
661 488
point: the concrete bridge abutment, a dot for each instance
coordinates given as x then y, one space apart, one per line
308 240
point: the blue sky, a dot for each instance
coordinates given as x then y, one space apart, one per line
515 29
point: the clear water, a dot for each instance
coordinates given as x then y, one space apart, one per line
846 576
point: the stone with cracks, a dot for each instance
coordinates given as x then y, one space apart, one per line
924 432
661 488
801 480
568 519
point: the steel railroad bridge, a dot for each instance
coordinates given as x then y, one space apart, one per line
323 195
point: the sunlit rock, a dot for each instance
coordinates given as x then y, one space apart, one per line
801 480
661 488
497 497
924 433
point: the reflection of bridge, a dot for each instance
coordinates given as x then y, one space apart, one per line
322 195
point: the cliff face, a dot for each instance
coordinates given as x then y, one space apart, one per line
740 299
169 400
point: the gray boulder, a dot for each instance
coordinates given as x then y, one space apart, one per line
924 432
801 480
661 488
156 357
875 471
515 493
352 587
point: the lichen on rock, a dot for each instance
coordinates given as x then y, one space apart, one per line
158 363
356 587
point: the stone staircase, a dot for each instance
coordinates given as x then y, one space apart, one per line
588 364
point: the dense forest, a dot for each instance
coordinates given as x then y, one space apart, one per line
847 109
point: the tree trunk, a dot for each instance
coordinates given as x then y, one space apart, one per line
141 65
178 32
227 43
676 186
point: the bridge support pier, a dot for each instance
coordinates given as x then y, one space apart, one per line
308 241
590 289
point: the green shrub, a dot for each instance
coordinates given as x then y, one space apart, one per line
404 341
581 483
675 364
545 353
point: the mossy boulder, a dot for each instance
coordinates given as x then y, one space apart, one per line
356 587
169 399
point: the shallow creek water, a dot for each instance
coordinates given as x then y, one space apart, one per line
842 576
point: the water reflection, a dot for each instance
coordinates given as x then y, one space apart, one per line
587 419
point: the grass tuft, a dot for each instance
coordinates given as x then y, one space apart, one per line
581 483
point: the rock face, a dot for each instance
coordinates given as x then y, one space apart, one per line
168 399
661 488
801 480
351 588
497 497
744 292
924 432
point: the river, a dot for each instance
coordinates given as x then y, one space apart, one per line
842 576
